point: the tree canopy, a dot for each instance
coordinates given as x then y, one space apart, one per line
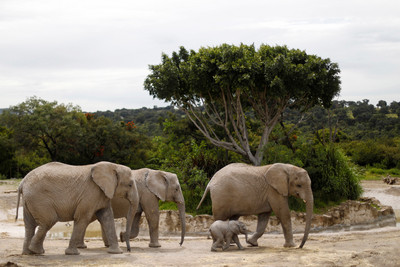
221 88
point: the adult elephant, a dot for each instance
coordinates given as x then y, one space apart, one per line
59 192
152 185
239 189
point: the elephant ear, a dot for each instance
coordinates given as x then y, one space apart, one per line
105 176
277 176
157 183
234 227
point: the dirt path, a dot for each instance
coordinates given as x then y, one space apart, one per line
378 247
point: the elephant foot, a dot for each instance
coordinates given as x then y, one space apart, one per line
213 249
83 245
252 242
72 251
154 245
34 250
27 252
114 250
225 247
289 244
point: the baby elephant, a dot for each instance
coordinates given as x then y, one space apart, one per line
223 232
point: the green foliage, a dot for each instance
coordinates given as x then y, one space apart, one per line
383 154
27 160
7 153
183 151
37 131
167 205
332 177
373 173
281 153
218 86
165 138
38 124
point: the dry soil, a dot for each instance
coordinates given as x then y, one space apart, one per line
377 247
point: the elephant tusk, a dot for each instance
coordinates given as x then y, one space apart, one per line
305 201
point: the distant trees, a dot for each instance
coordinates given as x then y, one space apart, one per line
38 124
45 131
326 142
8 165
221 88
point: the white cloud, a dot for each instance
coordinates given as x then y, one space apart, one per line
95 53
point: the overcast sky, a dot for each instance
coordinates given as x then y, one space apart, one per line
95 53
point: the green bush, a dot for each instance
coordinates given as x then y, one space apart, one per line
194 163
383 154
280 153
394 171
331 176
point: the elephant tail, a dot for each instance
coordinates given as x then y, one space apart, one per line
18 198
204 196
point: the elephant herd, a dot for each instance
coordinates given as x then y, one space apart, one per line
57 192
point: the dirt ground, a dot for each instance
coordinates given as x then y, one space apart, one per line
377 247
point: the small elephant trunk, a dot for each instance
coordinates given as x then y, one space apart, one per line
309 214
182 216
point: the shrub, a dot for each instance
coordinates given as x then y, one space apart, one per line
331 176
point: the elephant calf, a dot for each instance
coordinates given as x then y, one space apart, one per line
223 232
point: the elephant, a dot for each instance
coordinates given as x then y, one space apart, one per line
59 192
239 189
223 232
152 185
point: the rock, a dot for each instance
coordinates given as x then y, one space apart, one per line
365 213
390 180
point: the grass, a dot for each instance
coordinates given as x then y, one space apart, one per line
373 173
167 205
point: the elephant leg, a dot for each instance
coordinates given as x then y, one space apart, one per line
78 234
30 226
135 227
104 236
219 242
106 218
261 225
29 233
36 245
284 217
153 217
236 239
228 241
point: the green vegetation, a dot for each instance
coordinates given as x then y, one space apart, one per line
223 89
336 155
338 145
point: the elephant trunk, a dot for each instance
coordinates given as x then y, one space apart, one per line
182 216
129 221
309 213
246 234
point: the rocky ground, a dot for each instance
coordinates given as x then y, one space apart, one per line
374 247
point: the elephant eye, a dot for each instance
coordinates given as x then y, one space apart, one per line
299 185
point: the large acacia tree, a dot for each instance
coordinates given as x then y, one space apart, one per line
221 87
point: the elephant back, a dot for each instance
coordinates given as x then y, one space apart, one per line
238 189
